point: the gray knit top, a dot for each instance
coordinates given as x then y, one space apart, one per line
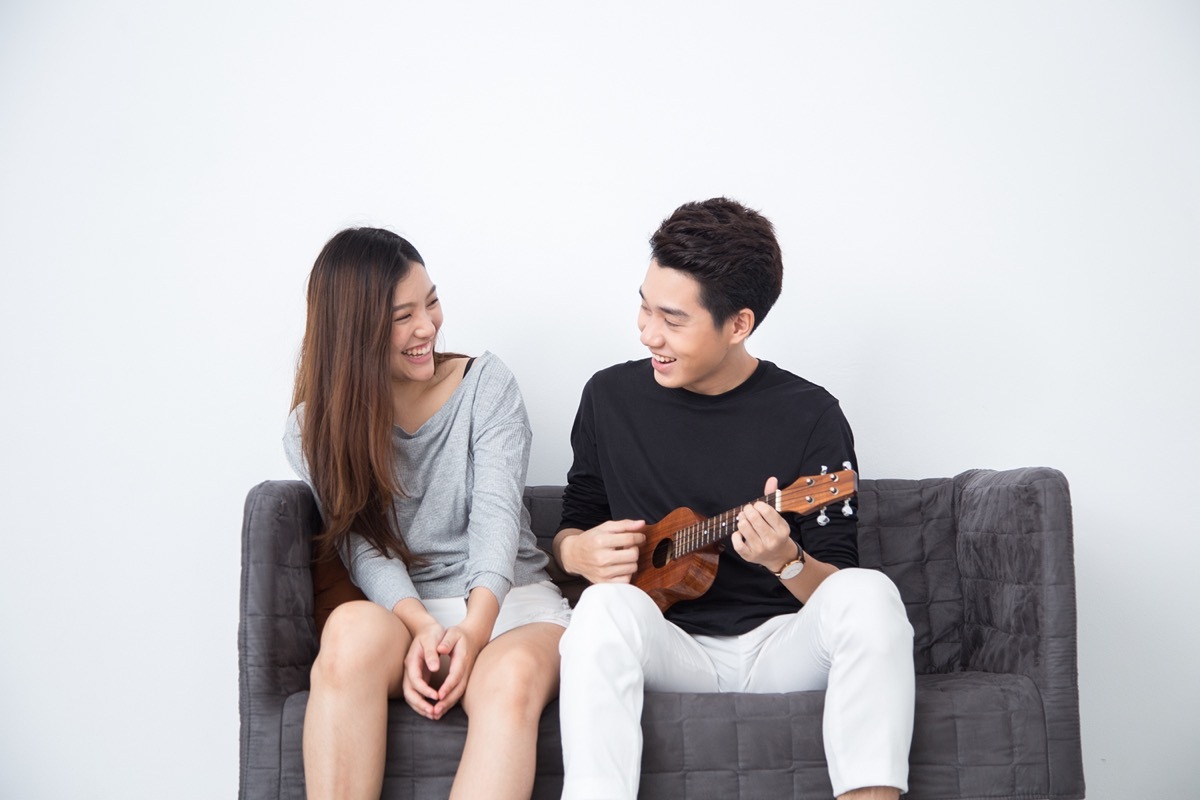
463 473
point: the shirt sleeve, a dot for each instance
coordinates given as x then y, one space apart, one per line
830 443
585 499
500 444
384 580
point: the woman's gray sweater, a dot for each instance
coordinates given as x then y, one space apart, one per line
463 473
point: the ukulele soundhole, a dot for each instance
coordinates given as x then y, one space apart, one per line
661 554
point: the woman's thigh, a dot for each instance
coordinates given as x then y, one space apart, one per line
535 603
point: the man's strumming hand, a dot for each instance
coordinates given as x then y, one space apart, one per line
606 553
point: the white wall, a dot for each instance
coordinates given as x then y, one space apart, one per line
990 214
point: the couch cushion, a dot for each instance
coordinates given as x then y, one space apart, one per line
977 735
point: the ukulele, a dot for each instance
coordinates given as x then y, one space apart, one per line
678 560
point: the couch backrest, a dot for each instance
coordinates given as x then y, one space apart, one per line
906 529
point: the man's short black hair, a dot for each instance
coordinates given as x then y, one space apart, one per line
729 249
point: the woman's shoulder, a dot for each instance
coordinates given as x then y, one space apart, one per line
490 370
493 387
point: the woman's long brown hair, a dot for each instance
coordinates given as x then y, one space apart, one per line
344 382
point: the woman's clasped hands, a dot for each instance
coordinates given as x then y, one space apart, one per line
438 666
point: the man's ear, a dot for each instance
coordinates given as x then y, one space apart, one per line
741 324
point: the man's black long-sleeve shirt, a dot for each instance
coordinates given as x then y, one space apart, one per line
642 450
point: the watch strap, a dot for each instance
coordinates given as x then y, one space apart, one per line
799 559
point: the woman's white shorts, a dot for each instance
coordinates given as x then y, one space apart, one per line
537 602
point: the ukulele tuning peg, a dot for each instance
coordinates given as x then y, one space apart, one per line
846 465
847 511
823 518
824 470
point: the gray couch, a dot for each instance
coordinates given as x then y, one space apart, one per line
984 562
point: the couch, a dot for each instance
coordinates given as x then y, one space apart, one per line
984 562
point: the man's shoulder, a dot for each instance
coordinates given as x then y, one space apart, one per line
623 375
772 377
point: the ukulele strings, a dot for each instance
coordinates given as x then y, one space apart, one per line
709 531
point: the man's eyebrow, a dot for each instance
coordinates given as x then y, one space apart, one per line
402 306
667 310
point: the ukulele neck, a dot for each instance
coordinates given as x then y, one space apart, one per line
709 531
803 497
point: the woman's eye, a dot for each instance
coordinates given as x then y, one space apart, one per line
404 318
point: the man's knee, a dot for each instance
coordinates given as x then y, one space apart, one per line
605 611
603 601
861 587
866 599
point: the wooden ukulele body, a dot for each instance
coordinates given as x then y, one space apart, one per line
676 578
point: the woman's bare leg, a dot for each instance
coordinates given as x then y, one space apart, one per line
359 666
514 678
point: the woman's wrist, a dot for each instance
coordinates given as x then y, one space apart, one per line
413 614
477 630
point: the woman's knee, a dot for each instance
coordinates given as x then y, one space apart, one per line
519 684
360 640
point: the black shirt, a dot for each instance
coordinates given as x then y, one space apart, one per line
642 450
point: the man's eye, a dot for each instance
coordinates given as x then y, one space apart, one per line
433 302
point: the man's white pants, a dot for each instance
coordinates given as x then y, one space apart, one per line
852 639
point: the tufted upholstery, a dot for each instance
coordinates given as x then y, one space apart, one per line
983 561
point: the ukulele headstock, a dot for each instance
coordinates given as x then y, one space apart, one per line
816 492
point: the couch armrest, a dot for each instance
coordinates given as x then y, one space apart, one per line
1017 562
276 636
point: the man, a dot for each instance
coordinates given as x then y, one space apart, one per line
701 423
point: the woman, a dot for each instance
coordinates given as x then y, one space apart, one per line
418 461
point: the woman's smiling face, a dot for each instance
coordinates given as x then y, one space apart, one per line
416 319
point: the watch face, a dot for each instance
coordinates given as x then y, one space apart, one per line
792 570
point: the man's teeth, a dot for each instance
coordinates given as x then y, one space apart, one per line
663 359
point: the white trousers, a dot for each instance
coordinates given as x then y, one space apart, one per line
852 639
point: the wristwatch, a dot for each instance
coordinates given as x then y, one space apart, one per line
792 568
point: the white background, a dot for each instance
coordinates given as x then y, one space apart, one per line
990 215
